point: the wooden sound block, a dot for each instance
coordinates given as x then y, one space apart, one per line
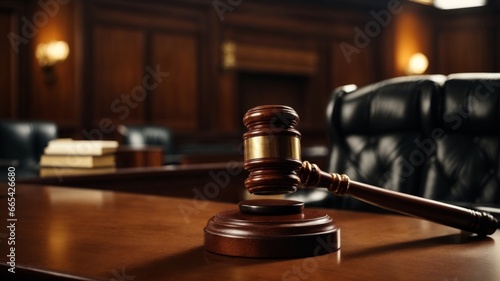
267 234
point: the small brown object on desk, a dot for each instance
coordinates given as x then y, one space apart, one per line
82 234
142 156
273 158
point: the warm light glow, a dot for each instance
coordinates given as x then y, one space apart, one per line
458 4
425 2
52 53
76 197
349 88
417 64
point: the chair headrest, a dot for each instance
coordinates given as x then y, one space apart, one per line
388 106
471 102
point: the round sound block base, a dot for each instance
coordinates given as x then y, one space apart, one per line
305 234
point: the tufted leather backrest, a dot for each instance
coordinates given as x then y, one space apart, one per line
466 164
431 136
376 130
22 144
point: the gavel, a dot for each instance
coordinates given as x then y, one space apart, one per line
273 158
270 228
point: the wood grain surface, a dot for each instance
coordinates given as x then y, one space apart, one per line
66 234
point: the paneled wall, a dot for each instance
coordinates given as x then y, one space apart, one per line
213 67
7 99
468 42
26 90
53 94
146 64
11 46
276 54
196 66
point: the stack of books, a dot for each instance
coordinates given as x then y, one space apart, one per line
78 157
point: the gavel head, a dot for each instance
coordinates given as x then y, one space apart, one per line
272 150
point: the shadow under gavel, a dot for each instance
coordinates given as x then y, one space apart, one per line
272 156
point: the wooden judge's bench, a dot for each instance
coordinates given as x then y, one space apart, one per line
82 234
211 181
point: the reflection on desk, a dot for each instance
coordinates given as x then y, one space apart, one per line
101 235
226 180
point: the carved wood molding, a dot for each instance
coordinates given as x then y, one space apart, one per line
261 58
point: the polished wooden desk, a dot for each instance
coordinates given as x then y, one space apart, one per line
178 181
78 234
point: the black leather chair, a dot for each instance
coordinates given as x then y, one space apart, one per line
375 131
21 145
465 166
431 136
153 135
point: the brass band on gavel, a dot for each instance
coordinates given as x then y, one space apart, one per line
272 150
272 146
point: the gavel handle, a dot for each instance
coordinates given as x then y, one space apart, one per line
469 220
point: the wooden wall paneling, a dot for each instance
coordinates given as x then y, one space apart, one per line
212 93
298 91
164 52
466 42
355 60
118 71
79 51
52 94
207 71
264 88
86 24
148 14
304 18
278 73
271 51
118 39
256 57
175 99
380 42
228 114
465 51
272 67
413 34
9 65
353 68
317 91
289 50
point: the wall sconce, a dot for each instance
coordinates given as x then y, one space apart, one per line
417 64
48 55
51 53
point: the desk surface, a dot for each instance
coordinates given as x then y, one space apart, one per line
107 235
173 180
